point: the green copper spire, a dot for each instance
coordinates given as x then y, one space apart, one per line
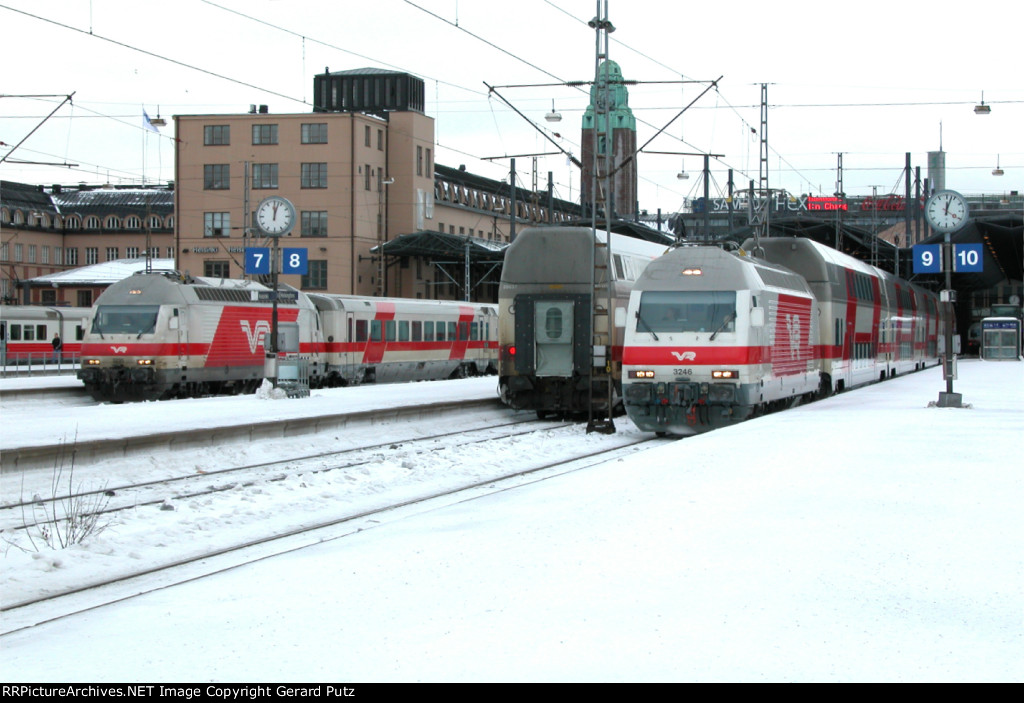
618 111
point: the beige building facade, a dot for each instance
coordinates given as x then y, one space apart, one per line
352 178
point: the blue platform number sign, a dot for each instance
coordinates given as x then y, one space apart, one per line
295 260
927 258
967 258
257 260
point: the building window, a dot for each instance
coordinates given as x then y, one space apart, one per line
111 253
367 172
84 298
5 251
58 255
380 140
216 135
316 279
430 168
92 255
132 252
32 253
419 161
217 269
92 222
314 223
132 222
45 258
366 135
264 134
216 176
264 176
216 224
70 255
314 175
314 133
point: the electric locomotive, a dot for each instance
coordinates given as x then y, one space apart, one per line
164 335
714 337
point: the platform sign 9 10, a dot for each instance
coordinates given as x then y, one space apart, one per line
927 258
967 258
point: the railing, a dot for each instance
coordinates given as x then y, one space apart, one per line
29 364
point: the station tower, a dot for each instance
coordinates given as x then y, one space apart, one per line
609 114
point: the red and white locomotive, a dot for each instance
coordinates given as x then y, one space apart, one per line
163 335
714 337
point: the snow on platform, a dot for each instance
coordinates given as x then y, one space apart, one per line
867 537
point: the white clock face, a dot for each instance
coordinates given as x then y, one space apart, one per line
946 211
275 216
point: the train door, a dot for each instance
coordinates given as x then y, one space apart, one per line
346 353
553 325
177 323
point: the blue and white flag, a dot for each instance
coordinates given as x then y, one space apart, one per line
148 124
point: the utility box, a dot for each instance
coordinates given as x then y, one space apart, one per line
1000 339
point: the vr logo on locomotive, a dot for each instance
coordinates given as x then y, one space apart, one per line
255 336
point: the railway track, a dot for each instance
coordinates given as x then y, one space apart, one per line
39 510
212 559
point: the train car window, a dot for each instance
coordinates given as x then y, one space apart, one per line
451 331
553 323
403 331
375 330
474 331
417 331
361 330
463 331
3 331
687 311
15 333
620 273
125 319
389 329
41 332
428 331
79 333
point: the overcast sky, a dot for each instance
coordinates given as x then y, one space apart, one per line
872 80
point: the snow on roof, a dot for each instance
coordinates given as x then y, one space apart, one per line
103 274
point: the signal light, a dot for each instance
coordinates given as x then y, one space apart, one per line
512 350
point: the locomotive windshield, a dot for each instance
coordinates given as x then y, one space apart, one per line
687 311
125 319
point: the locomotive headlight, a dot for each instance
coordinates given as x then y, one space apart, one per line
92 362
719 374
144 362
641 373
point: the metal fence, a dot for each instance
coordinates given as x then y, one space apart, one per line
39 365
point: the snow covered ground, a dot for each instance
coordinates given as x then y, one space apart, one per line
867 537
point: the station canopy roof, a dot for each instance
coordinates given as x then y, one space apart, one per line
440 245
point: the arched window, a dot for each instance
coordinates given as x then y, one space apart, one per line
133 222
92 222
112 222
